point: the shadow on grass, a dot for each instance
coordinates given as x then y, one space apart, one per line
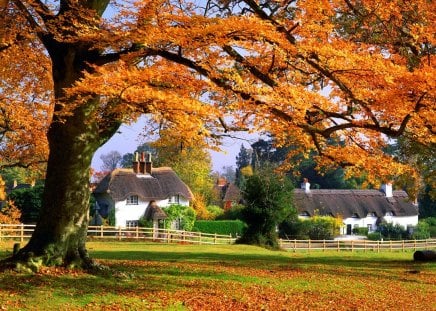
343 264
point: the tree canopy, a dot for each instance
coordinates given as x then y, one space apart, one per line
304 71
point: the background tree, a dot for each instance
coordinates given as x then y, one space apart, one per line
127 158
111 160
268 201
193 164
409 150
72 73
229 173
28 201
243 159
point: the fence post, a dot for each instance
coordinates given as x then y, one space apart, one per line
323 245
199 238
137 232
295 245
230 238
352 246
309 245
119 233
339 248
403 245
414 244
214 238
378 246
101 231
22 233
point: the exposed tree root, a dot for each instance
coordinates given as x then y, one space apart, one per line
28 262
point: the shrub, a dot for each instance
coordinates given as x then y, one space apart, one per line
390 231
421 231
142 222
111 217
323 227
431 221
184 214
233 227
360 231
316 228
374 236
215 211
235 212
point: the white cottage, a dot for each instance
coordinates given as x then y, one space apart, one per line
357 208
141 191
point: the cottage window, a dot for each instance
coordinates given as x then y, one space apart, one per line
132 200
131 223
369 227
174 199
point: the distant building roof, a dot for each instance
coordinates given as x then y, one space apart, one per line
232 193
349 203
162 183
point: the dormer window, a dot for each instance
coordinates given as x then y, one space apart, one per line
132 200
389 214
371 214
304 214
355 215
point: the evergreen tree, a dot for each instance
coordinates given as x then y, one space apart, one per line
243 159
268 202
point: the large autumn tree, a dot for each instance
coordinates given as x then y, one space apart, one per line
304 71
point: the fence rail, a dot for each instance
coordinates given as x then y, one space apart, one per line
23 232
357 245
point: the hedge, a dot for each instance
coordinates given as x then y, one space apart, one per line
233 227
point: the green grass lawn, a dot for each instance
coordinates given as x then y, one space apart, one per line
148 276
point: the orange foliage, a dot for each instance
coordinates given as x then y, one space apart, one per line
10 214
199 205
306 72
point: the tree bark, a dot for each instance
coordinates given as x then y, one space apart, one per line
60 234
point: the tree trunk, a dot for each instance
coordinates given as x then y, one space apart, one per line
60 234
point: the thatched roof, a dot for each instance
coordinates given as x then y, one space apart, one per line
154 212
161 184
349 203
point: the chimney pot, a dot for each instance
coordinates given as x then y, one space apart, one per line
135 163
305 185
387 189
148 164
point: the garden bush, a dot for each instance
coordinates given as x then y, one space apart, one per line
360 231
233 227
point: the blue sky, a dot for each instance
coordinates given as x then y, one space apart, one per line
129 137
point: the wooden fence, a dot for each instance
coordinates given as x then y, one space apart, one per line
23 232
357 245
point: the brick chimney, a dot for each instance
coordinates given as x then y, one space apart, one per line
142 163
135 163
148 164
305 185
387 189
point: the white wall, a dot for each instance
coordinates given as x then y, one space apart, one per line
125 212
372 220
